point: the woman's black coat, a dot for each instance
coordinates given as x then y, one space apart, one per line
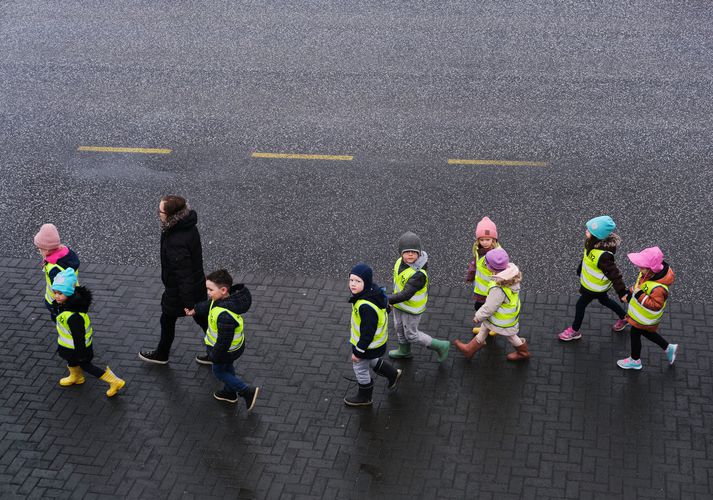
182 265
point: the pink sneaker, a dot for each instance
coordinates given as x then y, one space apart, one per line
619 325
569 334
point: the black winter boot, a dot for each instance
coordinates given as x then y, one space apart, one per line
386 369
362 397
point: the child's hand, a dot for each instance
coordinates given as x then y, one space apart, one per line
354 359
475 319
189 312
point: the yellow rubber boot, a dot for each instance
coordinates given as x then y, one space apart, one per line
115 383
476 330
76 377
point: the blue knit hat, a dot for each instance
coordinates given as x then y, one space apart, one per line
65 281
601 227
364 272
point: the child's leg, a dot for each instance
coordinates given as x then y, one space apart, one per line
225 372
515 340
412 333
581 306
656 339
482 334
91 369
615 306
399 326
635 343
361 370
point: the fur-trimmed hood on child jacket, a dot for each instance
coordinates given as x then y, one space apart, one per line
510 277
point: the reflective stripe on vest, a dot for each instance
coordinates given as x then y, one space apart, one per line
641 314
211 333
64 334
591 276
49 294
417 303
380 335
482 277
508 314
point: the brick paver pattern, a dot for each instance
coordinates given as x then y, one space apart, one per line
566 424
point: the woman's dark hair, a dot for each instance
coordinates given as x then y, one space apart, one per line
221 277
173 204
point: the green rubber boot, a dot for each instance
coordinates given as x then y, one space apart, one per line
441 347
404 351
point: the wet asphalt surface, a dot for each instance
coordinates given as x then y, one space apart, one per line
616 99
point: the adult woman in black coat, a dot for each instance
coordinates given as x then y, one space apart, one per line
181 273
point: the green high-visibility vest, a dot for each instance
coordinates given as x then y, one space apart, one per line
591 276
482 277
417 303
508 314
380 336
211 334
641 314
64 334
49 294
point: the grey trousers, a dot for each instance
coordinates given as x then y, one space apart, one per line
407 331
361 369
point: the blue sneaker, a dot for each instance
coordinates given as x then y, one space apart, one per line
671 351
630 364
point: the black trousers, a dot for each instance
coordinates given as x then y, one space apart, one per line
586 299
654 337
88 367
168 332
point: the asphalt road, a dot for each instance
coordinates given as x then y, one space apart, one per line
615 98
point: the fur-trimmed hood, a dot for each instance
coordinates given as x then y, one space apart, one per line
79 301
509 277
610 244
186 216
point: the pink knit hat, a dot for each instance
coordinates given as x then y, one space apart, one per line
650 258
48 237
486 229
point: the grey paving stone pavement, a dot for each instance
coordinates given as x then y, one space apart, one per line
566 424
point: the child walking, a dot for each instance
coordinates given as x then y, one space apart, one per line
75 333
369 333
409 299
55 258
224 338
598 272
501 311
647 301
486 239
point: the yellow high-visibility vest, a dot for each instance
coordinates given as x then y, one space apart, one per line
417 303
380 335
211 333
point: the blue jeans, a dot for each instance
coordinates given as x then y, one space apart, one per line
226 373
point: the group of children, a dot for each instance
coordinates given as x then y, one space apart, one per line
496 292
68 304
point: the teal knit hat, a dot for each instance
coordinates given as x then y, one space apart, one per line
601 227
65 281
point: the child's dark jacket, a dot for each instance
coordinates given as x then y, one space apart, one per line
239 302
369 322
79 302
607 264
69 260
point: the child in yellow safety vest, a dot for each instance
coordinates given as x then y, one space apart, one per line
56 257
501 311
75 333
409 300
224 338
647 301
598 273
486 239
369 332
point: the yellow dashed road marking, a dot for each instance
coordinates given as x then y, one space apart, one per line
504 163
106 149
294 156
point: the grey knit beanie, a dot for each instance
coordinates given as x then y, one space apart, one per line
409 241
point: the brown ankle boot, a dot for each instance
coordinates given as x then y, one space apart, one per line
470 348
521 352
